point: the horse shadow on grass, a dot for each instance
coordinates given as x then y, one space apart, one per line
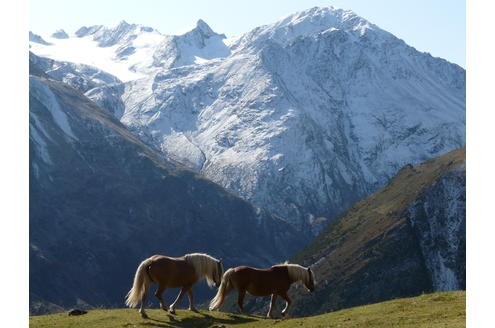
204 321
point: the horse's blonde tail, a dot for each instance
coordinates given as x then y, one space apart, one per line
223 290
140 285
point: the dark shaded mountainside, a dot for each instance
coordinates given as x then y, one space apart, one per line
406 239
101 201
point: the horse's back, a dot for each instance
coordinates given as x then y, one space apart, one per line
261 282
165 258
276 270
171 271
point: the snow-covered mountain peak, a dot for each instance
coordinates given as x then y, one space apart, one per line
121 34
307 23
60 34
307 115
201 35
85 30
204 29
37 39
193 47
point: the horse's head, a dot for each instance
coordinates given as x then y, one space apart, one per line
218 273
310 282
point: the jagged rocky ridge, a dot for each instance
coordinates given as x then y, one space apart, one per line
303 117
101 201
438 216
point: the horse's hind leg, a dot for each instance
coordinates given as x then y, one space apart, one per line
143 300
272 303
287 303
191 301
240 299
158 294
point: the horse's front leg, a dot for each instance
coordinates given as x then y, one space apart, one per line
171 309
272 303
240 299
143 301
287 303
191 301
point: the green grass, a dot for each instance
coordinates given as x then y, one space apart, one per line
430 310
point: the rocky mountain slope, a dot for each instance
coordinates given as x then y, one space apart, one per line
101 201
303 117
407 238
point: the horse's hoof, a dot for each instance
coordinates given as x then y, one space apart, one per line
144 316
171 311
193 309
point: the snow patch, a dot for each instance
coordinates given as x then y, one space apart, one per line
39 136
85 51
45 96
178 143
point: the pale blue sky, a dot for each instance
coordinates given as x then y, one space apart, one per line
434 26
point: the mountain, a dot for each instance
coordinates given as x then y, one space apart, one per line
60 34
35 38
103 88
131 51
302 117
406 239
305 117
196 46
101 201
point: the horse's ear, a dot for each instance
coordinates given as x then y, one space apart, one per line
220 261
309 269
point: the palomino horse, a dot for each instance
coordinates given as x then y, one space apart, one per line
170 272
262 282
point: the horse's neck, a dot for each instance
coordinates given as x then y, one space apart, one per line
202 268
295 277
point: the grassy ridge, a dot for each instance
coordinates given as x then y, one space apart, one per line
371 253
431 310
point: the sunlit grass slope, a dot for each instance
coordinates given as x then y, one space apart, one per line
429 310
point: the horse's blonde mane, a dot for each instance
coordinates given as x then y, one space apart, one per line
205 266
298 272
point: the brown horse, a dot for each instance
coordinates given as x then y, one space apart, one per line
262 282
170 272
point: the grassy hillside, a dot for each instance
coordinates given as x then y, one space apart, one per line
382 210
372 254
429 310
